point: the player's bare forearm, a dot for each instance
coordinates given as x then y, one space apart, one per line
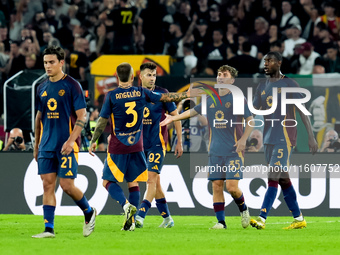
185 115
306 121
248 128
101 124
241 143
173 97
37 130
79 124
313 145
178 127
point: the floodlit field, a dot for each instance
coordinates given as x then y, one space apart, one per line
191 235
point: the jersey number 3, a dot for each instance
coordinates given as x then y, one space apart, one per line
130 110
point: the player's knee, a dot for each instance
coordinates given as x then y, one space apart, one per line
232 189
218 185
152 178
48 187
66 186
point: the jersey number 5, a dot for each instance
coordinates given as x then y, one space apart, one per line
130 110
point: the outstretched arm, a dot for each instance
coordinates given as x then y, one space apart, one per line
175 97
101 124
313 145
184 115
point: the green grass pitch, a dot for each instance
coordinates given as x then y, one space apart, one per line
191 235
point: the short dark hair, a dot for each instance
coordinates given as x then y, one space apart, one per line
275 54
148 65
124 72
55 50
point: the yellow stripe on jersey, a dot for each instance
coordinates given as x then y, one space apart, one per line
143 177
114 169
113 124
241 156
286 135
76 148
41 131
75 145
76 155
289 148
64 76
240 153
70 126
162 139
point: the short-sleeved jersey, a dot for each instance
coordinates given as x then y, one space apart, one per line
58 103
125 107
274 132
154 113
225 127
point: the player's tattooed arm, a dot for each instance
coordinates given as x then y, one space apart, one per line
101 124
173 97
176 97
80 123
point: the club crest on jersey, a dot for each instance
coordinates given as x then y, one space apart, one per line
131 139
61 92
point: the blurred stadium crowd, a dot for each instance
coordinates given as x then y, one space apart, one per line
204 34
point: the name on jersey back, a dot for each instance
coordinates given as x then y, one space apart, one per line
128 94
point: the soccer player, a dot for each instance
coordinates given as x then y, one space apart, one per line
279 140
154 142
125 105
226 146
61 115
